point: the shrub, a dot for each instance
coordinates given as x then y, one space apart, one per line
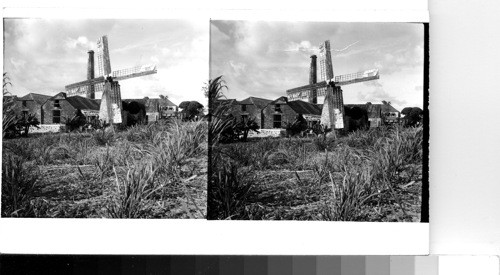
19 183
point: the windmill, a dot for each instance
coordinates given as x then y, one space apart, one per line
106 82
329 87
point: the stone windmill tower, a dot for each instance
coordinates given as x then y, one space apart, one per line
329 86
106 82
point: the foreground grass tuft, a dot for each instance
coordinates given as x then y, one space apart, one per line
19 185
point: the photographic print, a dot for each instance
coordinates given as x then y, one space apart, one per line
317 121
104 118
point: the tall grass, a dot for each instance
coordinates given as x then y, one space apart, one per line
146 133
229 192
349 194
362 169
104 137
171 149
19 184
132 191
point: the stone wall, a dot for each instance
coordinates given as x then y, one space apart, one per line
287 116
267 133
47 128
252 111
66 109
32 107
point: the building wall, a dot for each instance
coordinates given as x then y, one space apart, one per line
251 111
32 107
287 115
152 116
66 109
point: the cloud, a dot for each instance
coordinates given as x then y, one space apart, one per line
303 46
154 59
37 64
80 42
17 63
265 59
238 68
378 94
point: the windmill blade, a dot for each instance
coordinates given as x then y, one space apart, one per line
134 72
346 79
80 88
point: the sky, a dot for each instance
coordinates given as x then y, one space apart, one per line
44 55
265 58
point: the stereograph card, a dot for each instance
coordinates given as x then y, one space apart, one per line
203 134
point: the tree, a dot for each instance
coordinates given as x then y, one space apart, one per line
245 126
406 110
356 118
76 122
220 120
298 126
413 116
9 117
21 126
191 109
184 104
26 122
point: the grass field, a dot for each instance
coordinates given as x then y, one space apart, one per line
373 175
148 171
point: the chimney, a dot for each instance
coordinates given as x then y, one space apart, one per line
313 96
312 72
90 74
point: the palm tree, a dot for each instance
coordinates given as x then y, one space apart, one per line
9 117
247 125
27 121
219 118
